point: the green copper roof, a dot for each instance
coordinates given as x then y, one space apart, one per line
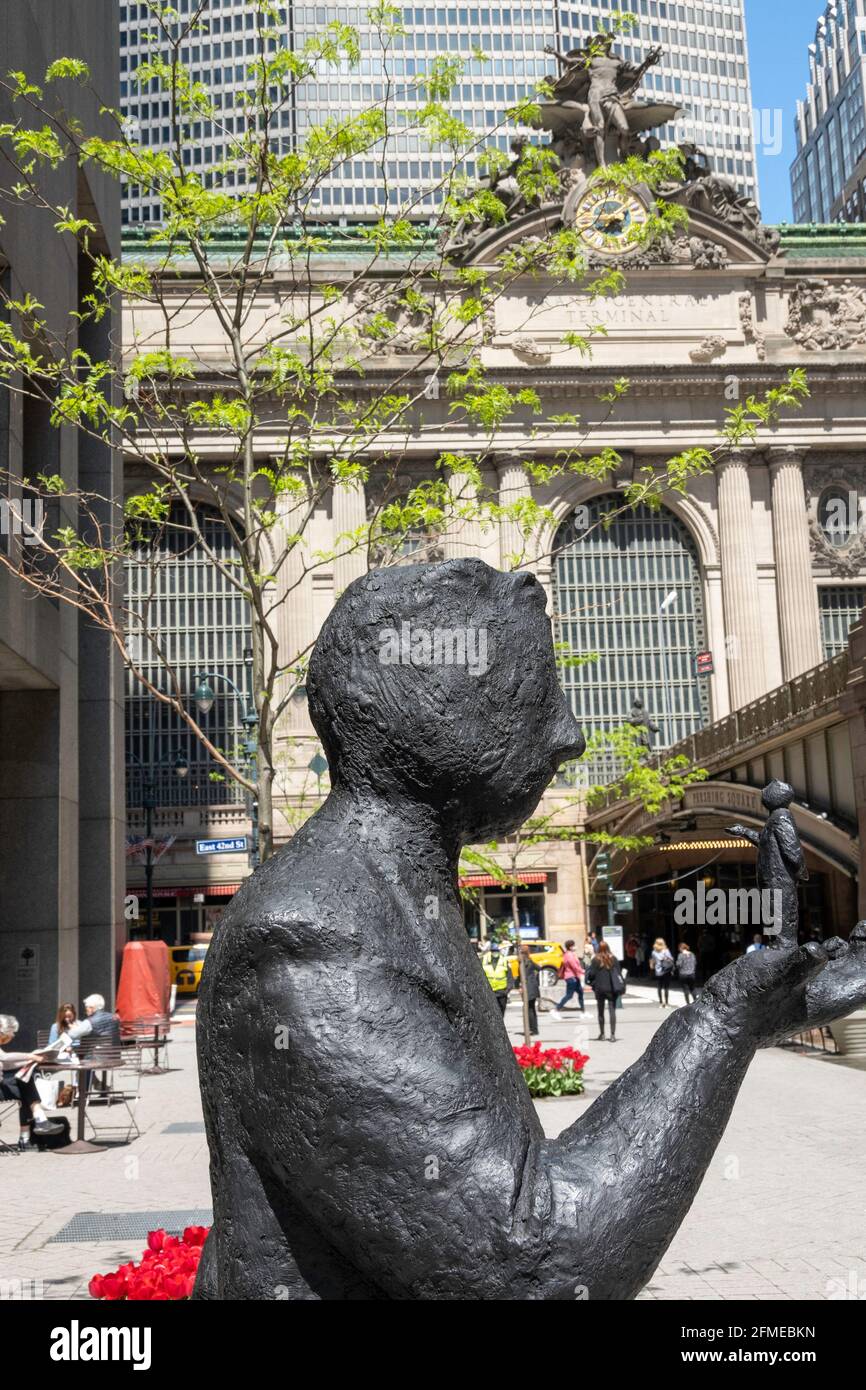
146 244
820 241
833 241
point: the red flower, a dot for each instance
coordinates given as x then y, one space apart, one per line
551 1058
166 1271
195 1235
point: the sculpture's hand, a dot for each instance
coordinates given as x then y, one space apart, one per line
838 990
768 995
739 831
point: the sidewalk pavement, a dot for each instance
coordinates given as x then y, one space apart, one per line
780 1214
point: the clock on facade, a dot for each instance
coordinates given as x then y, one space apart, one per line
608 217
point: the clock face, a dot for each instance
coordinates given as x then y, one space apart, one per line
607 218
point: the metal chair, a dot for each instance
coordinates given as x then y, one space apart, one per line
121 1089
151 1033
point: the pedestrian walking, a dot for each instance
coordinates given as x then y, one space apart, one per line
531 977
608 985
662 965
687 969
572 972
494 963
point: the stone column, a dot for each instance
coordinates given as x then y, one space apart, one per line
101 699
795 587
745 649
348 512
294 620
465 535
514 485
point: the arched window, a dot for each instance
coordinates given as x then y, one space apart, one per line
631 594
202 624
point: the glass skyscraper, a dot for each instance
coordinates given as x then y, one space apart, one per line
704 69
828 176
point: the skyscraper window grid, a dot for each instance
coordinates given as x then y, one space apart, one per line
705 70
828 175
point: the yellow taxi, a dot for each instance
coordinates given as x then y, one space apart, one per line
186 963
547 956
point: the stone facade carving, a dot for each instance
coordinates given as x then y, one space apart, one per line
532 350
718 197
750 330
707 255
847 561
824 315
681 250
709 349
373 298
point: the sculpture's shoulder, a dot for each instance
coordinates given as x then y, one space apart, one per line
307 899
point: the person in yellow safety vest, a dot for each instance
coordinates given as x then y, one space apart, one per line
494 963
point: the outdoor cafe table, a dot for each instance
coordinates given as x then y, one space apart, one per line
80 1145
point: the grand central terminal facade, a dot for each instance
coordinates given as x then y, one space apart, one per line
728 594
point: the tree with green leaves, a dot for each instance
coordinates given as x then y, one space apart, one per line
273 361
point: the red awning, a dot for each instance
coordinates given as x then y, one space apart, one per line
488 881
211 890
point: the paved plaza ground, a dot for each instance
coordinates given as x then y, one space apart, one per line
780 1214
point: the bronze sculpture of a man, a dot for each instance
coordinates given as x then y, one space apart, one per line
371 1135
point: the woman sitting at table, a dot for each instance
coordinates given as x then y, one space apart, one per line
32 1117
61 1027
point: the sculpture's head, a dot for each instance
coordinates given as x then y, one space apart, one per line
777 795
438 683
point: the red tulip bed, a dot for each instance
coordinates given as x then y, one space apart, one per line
167 1270
552 1071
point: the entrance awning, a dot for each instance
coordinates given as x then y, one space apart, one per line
211 890
488 881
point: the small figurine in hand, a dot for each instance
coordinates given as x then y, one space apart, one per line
781 862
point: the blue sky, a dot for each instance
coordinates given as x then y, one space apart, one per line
780 32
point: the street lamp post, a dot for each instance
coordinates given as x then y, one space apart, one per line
149 802
205 697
